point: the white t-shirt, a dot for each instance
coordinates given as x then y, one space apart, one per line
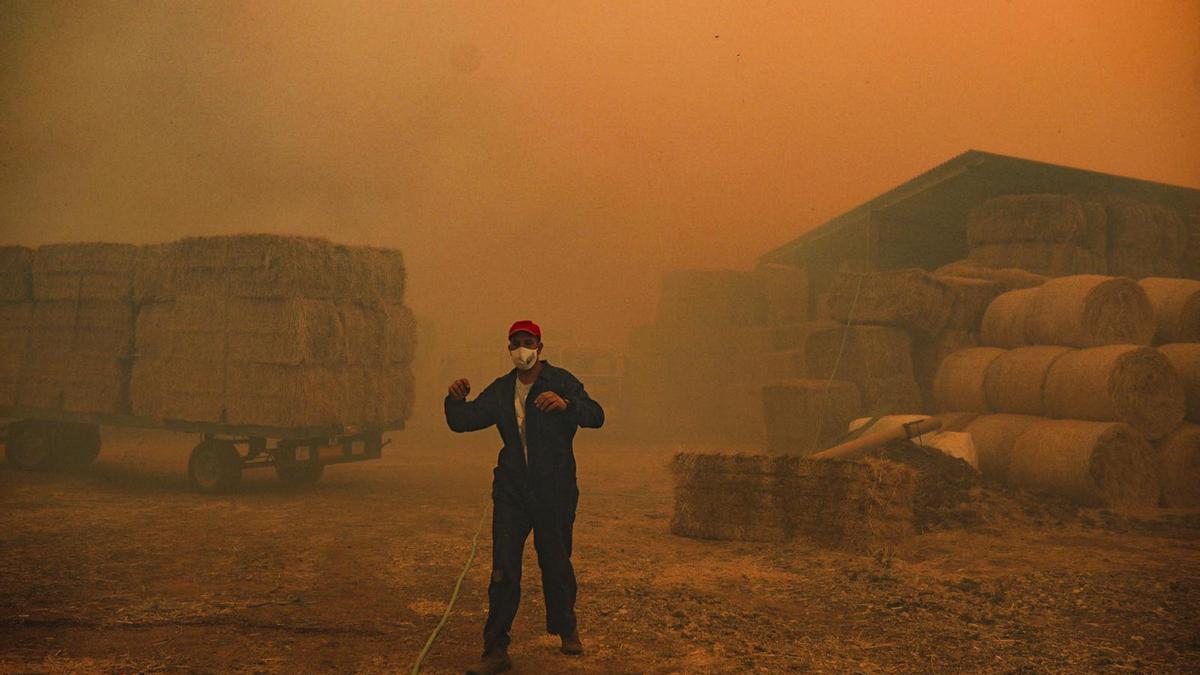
522 393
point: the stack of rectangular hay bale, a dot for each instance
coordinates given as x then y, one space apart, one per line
81 326
272 331
857 506
16 310
695 373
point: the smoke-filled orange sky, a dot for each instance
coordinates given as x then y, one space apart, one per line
550 160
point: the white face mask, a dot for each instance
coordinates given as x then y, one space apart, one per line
523 358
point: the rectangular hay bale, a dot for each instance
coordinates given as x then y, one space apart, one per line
85 271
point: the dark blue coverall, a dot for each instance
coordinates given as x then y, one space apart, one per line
541 496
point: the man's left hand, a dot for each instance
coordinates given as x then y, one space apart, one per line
549 401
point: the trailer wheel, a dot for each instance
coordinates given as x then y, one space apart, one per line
30 446
77 444
215 466
299 474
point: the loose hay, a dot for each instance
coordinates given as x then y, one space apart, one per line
1178 468
959 384
1006 320
1176 305
1185 359
1050 259
941 481
1093 463
16 276
1119 383
90 271
1090 311
909 298
1011 278
1016 380
857 506
803 416
994 437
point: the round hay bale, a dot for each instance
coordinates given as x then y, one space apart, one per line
1004 322
1093 463
994 436
1011 278
1179 467
1117 383
1015 380
1176 304
1090 311
1185 359
959 381
956 421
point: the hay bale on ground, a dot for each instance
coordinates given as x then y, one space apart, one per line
857 353
803 416
1094 463
891 395
1178 467
16 274
1016 380
1029 218
959 384
994 437
1176 305
1119 383
1011 278
90 271
16 319
1006 320
1185 359
1090 311
1050 259
908 298
785 289
730 497
941 482
971 300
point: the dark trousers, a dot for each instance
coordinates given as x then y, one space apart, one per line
513 517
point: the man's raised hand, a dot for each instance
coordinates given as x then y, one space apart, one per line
548 401
459 389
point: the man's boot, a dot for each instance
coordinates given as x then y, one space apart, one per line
571 644
495 661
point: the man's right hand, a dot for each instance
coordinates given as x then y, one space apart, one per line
459 389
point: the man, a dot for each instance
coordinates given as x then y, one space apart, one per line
537 409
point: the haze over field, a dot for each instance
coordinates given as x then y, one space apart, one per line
552 159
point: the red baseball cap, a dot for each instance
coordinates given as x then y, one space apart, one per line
527 326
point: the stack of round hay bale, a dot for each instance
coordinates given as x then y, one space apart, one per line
1073 398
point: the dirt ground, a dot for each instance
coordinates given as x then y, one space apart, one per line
122 568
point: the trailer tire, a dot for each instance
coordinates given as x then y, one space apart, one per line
77 445
215 466
31 446
299 474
